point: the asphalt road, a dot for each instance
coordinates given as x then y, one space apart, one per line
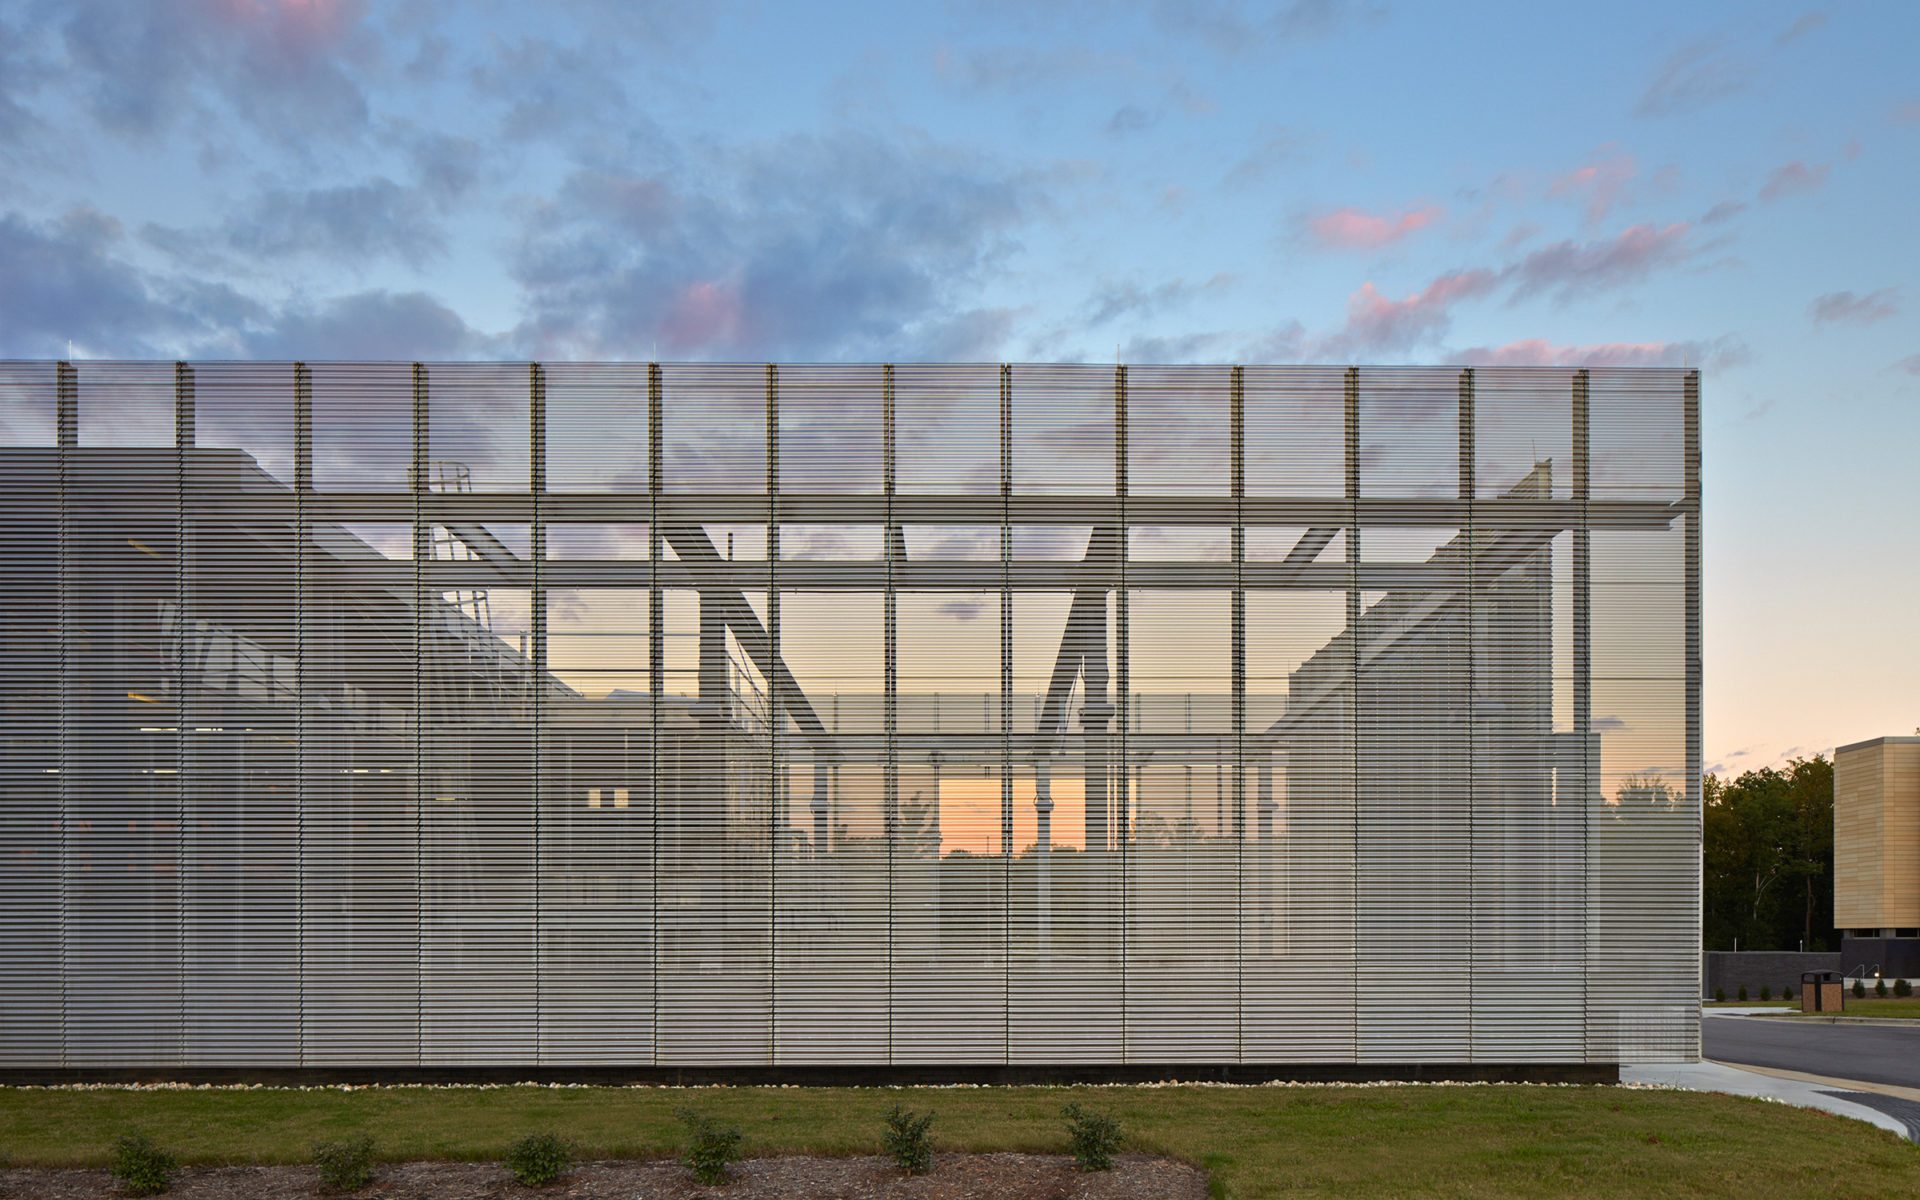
1873 1053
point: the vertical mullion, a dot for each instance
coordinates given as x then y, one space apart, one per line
890 702
183 439
1006 712
777 710
1690 436
656 685
1469 644
537 485
422 550
1123 672
1583 670
1352 438
302 487
1237 448
66 420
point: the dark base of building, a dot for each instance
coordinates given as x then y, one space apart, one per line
833 1075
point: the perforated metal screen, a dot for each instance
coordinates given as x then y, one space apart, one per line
509 714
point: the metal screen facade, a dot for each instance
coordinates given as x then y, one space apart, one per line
466 715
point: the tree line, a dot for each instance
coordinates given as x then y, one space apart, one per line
1767 869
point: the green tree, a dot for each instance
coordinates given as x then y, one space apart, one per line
1767 858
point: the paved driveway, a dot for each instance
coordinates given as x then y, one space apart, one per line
1872 1053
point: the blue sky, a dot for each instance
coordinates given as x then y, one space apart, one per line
1729 186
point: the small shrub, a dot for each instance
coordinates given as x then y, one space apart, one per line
1859 990
1766 991
1743 991
539 1158
1092 1137
1880 988
1902 988
142 1168
908 1140
1786 993
345 1165
1720 995
711 1146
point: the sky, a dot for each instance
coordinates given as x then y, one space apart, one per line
1726 186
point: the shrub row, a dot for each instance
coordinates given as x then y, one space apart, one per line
143 1169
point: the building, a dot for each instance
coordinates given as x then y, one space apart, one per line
1876 857
662 721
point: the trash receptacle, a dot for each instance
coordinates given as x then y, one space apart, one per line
1822 991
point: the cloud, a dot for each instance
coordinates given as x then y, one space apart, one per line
835 247
1131 118
575 96
1276 147
1378 323
1805 24
1691 78
1853 309
374 325
73 283
1022 70
1793 179
1907 113
66 282
1726 210
281 66
1228 27
446 167
1116 300
962 610
1600 185
1352 228
1570 270
1910 364
1720 353
18 71
350 224
1174 348
1519 235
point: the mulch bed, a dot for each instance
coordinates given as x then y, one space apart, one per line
954 1177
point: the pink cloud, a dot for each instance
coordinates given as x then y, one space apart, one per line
1600 185
296 29
1355 229
1538 352
1379 323
703 314
1907 114
1910 364
1793 179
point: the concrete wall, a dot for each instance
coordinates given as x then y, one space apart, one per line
1774 968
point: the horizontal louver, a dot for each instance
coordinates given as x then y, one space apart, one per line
695 715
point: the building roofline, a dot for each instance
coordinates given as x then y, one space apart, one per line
1879 741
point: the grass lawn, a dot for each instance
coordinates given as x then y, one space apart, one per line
1872 1006
1869 1006
1376 1141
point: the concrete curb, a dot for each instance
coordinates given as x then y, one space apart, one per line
1817 1019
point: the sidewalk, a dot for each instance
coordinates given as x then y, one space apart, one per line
1707 1076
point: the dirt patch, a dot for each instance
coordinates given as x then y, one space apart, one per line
954 1177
